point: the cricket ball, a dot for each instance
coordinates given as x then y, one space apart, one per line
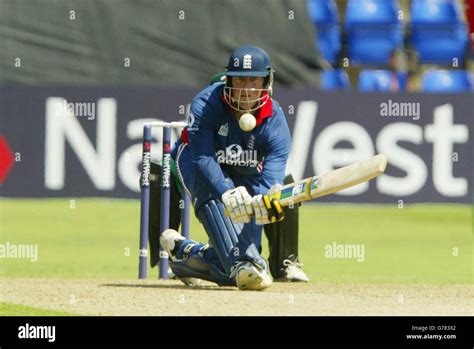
247 122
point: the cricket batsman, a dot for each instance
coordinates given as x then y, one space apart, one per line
233 152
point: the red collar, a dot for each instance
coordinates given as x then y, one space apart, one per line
266 111
261 113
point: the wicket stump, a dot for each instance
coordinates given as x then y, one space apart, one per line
165 197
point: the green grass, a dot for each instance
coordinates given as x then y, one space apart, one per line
8 309
98 238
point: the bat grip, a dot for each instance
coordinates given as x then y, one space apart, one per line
274 208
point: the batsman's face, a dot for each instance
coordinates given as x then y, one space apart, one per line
247 90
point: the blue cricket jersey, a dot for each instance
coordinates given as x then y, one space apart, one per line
256 159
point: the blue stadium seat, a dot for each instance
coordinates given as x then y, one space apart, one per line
438 81
438 32
323 11
324 15
435 11
378 80
374 30
336 79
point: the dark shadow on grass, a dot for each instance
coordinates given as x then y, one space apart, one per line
175 287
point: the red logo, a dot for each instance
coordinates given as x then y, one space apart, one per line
6 159
146 146
166 148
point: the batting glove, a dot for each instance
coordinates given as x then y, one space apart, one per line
267 209
238 204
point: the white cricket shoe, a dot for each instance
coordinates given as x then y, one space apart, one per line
294 272
170 240
250 277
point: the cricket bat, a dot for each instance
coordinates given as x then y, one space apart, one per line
331 182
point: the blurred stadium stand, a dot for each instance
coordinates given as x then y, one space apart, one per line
341 41
387 45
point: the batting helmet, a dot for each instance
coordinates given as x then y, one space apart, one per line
252 61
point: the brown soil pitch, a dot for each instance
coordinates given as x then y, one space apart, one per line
157 298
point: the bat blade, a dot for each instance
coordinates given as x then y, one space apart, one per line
332 181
